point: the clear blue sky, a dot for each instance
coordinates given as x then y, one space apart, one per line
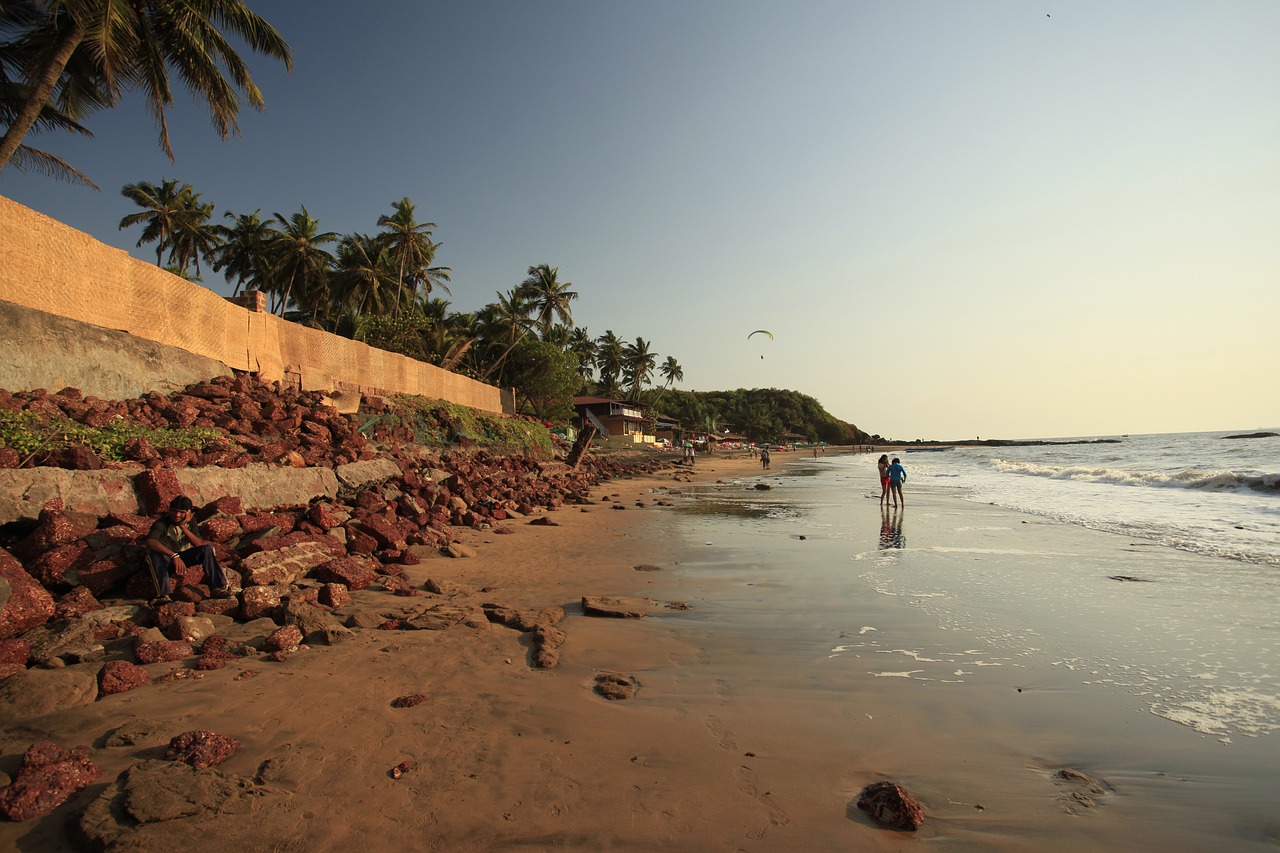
1003 219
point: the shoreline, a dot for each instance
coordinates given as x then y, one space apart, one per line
973 715
741 735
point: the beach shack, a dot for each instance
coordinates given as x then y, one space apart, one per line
617 421
667 428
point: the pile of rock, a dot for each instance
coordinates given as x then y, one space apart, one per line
262 423
291 564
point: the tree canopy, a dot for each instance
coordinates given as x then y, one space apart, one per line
78 55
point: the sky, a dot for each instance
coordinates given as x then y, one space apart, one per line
995 219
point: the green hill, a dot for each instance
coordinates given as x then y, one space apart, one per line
761 414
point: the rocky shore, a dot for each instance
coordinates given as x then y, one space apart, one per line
304 506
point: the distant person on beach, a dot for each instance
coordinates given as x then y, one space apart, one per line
883 467
690 454
171 546
764 456
897 475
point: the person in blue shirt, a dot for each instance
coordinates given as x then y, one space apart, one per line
897 474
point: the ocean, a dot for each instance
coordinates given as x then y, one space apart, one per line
1202 492
1133 587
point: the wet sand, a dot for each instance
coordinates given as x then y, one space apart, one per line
740 736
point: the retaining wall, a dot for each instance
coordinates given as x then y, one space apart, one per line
51 267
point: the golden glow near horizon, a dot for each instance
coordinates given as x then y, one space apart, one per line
956 219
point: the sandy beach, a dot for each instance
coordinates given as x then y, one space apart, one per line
732 740
503 754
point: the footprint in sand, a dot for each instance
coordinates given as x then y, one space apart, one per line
749 784
724 689
723 736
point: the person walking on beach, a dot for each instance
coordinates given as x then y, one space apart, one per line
897 475
764 456
171 546
883 467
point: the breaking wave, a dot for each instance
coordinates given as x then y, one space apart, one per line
1215 480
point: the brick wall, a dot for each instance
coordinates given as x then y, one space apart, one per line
51 267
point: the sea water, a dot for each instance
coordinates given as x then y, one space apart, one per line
1209 493
1143 574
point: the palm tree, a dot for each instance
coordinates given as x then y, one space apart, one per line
435 311
412 251
163 207
365 280
609 360
241 253
297 261
639 363
116 45
24 18
559 335
583 346
548 298
506 320
193 235
671 371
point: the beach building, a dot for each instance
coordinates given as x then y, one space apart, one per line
618 421
667 428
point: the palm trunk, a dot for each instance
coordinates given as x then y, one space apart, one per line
504 355
284 303
46 80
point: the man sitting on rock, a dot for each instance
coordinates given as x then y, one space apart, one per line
171 546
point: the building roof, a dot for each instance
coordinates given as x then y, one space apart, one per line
595 401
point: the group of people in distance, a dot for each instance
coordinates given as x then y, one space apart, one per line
892 476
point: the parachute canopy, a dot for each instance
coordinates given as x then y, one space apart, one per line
760 332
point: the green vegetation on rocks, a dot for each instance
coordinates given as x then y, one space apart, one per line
29 433
436 422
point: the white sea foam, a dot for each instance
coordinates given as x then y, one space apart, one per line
1188 479
1198 492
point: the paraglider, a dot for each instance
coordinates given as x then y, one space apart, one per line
764 332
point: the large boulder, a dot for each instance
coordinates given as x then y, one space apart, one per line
29 604
259 601
36 692
357 475
56 639
284 639
354 572
162 651
156 488
259 486
58 526
286 565
157 805
119 676
24 492
13 656
315 624
49 775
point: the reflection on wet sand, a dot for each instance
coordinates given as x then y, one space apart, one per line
891 535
